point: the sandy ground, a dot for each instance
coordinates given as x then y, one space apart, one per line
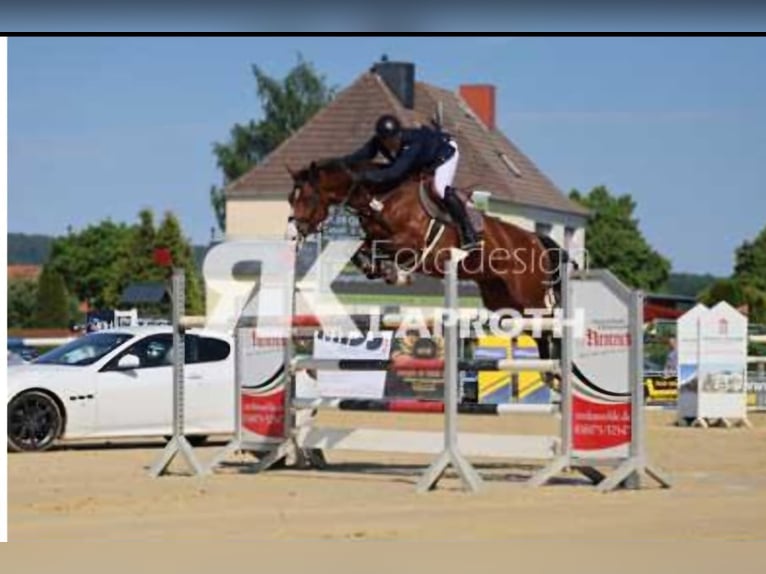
90 492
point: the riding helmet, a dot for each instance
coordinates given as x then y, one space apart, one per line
387 126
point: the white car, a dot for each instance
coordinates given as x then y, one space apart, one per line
119 383
15 359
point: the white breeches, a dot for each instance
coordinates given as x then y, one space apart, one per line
445 173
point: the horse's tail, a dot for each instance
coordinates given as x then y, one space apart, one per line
559 260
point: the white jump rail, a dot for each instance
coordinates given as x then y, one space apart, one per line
293 430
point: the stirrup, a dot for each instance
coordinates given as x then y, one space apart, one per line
465 230
478 243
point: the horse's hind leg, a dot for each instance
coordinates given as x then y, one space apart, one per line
496 295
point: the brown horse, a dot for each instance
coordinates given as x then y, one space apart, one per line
514 269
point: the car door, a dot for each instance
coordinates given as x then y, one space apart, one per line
138 400
209 385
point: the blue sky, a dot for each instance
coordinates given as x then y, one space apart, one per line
102 127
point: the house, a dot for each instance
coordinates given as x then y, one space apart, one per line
24 272
19 272
256 203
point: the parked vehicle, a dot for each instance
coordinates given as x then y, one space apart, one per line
118 383
15 359
17 346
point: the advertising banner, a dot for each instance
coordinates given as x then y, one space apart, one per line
601 377
360 384
712 363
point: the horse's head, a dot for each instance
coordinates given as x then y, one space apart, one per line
315 189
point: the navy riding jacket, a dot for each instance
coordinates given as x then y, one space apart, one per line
421 148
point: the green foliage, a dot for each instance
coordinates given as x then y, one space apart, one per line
729 290
747 285
738 294
22 301
689 284
169 235
286 105
750 262
615 242
99 262
28 249
90 260
135 261
52 308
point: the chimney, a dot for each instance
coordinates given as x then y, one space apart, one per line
400 79
481 99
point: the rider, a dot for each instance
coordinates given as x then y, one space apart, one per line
409 150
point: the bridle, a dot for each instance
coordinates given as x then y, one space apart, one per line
314 200
363 210
360 209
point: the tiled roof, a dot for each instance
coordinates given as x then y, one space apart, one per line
348 121
24 271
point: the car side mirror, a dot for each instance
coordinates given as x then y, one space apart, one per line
129 362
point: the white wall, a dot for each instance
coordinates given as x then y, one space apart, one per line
526 217
256 217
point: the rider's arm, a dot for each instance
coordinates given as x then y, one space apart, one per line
365 153
398 169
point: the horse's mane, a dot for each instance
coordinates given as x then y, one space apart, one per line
334 165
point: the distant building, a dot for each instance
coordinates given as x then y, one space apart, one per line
256 203
16 272
32 273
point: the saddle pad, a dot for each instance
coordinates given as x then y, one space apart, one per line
436 211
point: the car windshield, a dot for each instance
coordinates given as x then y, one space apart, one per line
84 350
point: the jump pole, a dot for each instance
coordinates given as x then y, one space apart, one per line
451 454
178 444
630 471
281 431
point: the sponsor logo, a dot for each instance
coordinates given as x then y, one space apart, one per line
596 338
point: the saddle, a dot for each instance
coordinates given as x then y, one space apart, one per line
435 210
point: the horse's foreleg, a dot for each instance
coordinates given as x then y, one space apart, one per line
363 261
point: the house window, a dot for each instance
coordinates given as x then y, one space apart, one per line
543 228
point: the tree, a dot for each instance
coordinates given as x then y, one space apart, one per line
22 302
689 284
615 242
52 309
90 261
100 261
286 105
135 257
750 262
737 294
750 275
729 290
169 235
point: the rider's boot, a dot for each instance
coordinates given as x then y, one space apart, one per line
469 239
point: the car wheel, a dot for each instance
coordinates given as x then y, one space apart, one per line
34 422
